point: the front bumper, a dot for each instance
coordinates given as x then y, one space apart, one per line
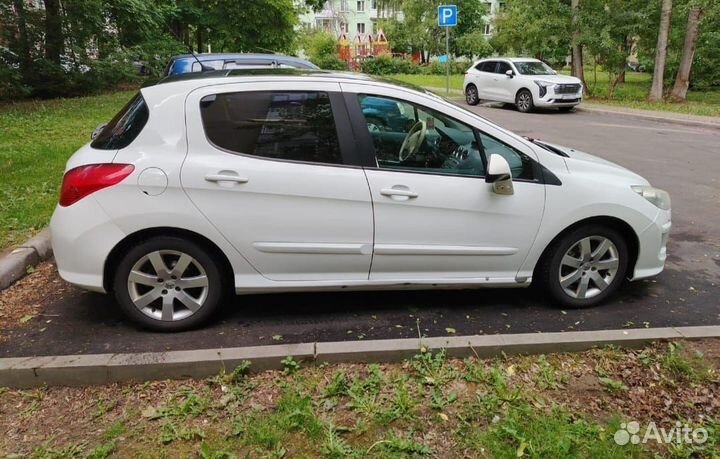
551 98
82 238
652 251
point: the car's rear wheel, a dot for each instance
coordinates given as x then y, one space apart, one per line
471 94
524 101
168 283
585 266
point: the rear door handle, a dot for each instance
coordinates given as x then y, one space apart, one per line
404 192
225 178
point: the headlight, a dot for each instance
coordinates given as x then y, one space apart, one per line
543 85
658 197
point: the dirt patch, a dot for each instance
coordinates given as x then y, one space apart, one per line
26 299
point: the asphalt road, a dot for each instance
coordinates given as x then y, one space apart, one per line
683 160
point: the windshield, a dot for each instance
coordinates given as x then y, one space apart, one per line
534 68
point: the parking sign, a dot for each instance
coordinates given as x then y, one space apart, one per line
447 15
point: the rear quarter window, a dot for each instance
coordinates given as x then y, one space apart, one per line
124 127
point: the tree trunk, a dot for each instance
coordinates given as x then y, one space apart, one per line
656 90
682 81
199 40
23 47
54 43
577 52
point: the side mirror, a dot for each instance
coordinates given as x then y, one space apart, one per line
97 130
510 73
500 175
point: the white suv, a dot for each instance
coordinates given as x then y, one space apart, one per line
268 181
527 83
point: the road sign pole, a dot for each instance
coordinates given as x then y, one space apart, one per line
447 61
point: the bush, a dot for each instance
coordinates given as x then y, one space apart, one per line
330 62
321 48
386 65
438 68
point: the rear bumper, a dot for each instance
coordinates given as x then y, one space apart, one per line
82 238
653 247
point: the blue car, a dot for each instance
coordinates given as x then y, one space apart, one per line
187 63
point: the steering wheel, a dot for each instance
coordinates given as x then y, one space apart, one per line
413 140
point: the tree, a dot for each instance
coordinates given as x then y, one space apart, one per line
578 69
473 45
682 80
54 43
540 28
656 90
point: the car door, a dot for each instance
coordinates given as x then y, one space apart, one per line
275 170
484 79
435 217
503 84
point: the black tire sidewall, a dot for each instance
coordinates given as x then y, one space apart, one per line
551 265
477 99
199 253
531 107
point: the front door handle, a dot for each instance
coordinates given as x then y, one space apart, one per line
225 178
397 191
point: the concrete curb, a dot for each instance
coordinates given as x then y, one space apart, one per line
13 266
670 118
83 370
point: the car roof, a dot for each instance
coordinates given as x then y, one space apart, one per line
187 82
239 56
511 59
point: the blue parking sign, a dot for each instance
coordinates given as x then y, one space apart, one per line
447 15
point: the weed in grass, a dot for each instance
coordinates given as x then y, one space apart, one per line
364 393
170 432
114 431
338 384
548 377
68 452
334 446
401 406
103 406
438 400
433 368
396 446
693 368
290 365
612 385
208 451
102 451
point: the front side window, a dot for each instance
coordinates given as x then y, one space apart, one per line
413 138
534 68
287 125
409 137
124 127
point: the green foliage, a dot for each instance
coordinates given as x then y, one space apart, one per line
537 28
386 65
474 45
321 48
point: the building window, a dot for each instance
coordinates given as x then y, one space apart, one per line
374 27
361 27
344 7
487 30
360 6
343 27
373 5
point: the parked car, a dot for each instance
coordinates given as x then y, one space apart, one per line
187 63
259 181
526 83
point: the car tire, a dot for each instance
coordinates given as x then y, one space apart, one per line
157 294
524 101
590 255
471 94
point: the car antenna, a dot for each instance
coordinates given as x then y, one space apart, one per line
203 67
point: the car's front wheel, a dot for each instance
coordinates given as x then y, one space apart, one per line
168 283
585 266
471 94
524 101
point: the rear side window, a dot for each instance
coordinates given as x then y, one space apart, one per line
124 127
503 67
487 66
288 125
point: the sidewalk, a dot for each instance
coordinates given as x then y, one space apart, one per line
670 117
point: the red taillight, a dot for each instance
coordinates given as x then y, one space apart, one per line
85 180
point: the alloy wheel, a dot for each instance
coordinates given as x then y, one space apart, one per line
589 267
471 95
168 285
524 101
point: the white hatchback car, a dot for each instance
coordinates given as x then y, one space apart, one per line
525 82
269 181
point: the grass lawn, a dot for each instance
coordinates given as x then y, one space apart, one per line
36 139
557 406
632 94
